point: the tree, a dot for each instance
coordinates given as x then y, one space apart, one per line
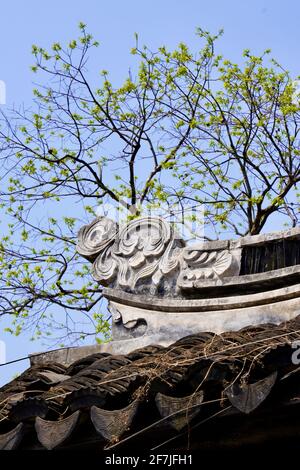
185 128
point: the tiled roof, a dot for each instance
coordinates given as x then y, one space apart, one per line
170 397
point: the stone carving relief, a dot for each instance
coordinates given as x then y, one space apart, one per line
147 256
160 289
95 238
200 265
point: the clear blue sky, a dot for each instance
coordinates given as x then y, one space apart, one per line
257 25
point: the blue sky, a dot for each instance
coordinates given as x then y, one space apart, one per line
256 25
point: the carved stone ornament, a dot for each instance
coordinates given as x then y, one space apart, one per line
147 256
160 289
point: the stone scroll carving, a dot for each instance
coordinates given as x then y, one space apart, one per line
199 265
148 256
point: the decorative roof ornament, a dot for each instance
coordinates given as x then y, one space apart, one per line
160 289
147 255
